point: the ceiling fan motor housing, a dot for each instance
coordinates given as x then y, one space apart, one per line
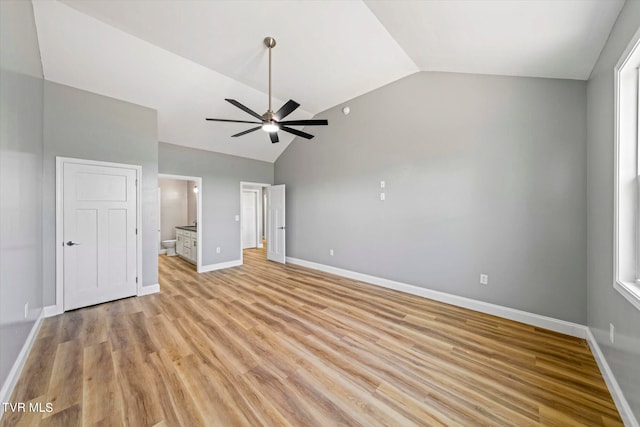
268 116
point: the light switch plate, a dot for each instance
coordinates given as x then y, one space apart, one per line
612 333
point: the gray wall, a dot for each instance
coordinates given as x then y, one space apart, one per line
21 142
221 176
84 125
484 174
606 305
173 206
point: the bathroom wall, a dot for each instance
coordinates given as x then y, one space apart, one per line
173 206
192 203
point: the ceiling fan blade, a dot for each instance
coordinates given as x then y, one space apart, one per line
246 131
296 132
305 122
274 137
243 108
286 109
231 121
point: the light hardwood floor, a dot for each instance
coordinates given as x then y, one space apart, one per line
265 344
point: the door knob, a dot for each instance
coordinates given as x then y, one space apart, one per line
70 243
281 228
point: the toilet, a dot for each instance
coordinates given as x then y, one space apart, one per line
170 246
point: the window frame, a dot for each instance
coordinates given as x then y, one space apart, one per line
626 245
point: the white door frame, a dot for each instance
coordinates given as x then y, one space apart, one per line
198 181
252 184
60 162
161 250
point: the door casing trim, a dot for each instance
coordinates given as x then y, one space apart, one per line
242 185
258 216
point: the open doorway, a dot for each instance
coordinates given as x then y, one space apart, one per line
179 213
253 204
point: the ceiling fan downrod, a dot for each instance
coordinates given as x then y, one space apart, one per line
270 43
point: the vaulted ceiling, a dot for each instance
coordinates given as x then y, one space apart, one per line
183 57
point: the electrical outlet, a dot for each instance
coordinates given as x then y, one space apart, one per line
382 196
26 309
612 333
237 218
382 184
331 252
218 250
484 279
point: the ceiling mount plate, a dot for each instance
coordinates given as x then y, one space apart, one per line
269 42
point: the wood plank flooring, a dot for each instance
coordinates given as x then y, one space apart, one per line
271 345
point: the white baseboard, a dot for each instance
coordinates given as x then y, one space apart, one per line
52 310
220 266
557 325
149 289
616 392
16 369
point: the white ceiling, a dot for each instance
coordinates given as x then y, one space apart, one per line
183 57
537 38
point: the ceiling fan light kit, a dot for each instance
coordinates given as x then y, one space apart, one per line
270 122
270 126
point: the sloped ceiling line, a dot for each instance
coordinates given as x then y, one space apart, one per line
184 57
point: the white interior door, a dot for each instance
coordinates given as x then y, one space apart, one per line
99 229
276 225
249 219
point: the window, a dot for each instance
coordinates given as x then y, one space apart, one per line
627 174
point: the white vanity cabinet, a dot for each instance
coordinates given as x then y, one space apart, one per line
187 244
193 247
179 242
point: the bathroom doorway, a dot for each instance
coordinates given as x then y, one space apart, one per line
179 213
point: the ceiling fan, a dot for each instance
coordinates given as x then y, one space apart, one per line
271 122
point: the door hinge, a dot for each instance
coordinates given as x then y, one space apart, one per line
136 279
136 182
136 231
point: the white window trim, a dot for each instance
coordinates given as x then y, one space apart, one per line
626 247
